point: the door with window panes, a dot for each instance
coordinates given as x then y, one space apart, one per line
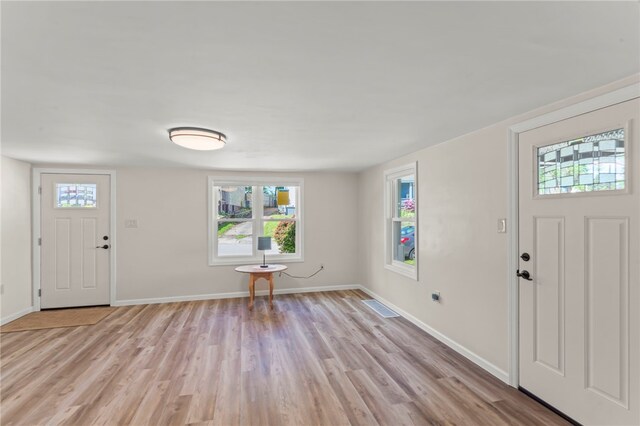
76 245
579 217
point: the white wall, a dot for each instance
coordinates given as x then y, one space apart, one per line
16 238
167 255
462 188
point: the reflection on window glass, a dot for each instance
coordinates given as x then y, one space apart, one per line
591 163
234 202
76 195
235 238
283 236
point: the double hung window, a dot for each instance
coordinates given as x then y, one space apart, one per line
401 230
243 209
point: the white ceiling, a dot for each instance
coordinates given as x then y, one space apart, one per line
295 86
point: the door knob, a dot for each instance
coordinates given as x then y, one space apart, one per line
524 274
106 246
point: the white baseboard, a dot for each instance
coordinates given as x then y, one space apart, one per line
231 295
471 356
15 316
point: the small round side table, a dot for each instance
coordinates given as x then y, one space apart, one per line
255 273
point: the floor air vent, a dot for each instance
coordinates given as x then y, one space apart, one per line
382 310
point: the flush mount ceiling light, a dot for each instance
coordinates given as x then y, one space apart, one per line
197 138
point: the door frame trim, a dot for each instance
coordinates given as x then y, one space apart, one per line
614 97
36 175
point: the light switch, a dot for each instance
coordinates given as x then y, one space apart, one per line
131 223
502 226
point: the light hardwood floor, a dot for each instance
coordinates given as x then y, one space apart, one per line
317 359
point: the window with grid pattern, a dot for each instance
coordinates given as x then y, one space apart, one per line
244 209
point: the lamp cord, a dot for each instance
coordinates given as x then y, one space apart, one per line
304 278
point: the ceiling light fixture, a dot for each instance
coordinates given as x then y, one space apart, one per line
197 138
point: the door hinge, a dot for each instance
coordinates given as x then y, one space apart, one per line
39 292
39 190
39 241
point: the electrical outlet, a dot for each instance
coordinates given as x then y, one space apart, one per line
435 296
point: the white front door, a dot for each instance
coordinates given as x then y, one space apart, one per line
75 248
579 214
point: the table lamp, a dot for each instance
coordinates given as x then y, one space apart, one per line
264 243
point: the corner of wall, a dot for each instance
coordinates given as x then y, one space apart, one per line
15 239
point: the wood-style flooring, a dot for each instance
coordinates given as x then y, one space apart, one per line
316 359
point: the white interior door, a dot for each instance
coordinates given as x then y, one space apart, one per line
75 248
579 222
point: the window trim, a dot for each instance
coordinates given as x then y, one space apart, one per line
390 195
256 257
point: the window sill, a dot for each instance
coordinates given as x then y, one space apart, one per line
403 270
255 261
